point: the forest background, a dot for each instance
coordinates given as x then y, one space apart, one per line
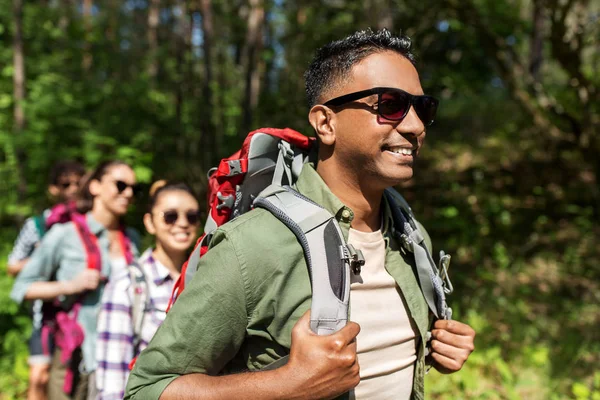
507 182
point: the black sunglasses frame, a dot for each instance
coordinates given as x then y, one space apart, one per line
66 185
412 100
169 221
122 186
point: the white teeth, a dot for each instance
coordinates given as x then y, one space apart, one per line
401 150
181 236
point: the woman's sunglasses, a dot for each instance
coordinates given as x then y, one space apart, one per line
393 104
171 216
122 186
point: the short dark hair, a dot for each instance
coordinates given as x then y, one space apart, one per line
334 60
64 168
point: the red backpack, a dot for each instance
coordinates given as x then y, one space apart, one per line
268 155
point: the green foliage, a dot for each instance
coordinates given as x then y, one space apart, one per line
15 327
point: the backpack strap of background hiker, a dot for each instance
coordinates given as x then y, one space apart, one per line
324 250
140 303
434 281
40 225
89 240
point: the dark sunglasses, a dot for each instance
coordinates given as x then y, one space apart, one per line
171 216
393 104
122 186
66 185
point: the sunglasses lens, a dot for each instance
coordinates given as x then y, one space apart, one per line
393 105
170 217
193 217
121 186
426 108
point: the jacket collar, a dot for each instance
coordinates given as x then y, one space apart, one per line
94 226
311 185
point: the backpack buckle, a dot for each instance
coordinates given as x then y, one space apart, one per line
407 243
354 257
443 266
226 201
286 151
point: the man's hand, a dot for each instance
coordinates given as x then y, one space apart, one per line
451 344
323 367
88 279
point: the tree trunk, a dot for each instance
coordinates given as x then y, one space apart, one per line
251 62
537 40
211 137
152 36
19 95
87 49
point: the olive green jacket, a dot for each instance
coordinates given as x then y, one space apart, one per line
249 290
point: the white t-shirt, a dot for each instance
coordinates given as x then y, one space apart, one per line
386 344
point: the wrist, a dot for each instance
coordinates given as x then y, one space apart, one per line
290 389
68 288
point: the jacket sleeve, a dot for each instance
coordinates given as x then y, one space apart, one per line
204 329
41 265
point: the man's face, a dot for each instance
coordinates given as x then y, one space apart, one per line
66 187
366 145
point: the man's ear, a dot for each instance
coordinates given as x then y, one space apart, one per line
54 190
149 224
323 122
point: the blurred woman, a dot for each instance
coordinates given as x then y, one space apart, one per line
71 265
173 219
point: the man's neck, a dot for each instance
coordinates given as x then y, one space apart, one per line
172 260
364 202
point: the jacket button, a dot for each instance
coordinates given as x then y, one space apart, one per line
345 214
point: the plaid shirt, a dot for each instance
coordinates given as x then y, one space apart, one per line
26 241
114 349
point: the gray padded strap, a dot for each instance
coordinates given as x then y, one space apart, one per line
310 222
423 264
297 164
194 259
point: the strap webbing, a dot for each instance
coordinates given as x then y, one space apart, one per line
413 241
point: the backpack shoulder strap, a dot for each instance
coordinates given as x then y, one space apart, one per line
324 250
40 224
434 283
140 303
94 259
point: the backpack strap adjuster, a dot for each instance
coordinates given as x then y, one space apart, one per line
407 243
353 256
235 167
225 201
286 151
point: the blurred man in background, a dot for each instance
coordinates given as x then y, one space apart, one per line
63 184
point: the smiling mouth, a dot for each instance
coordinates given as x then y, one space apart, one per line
399 151
181 236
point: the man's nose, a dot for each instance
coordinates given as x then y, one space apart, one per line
411 124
